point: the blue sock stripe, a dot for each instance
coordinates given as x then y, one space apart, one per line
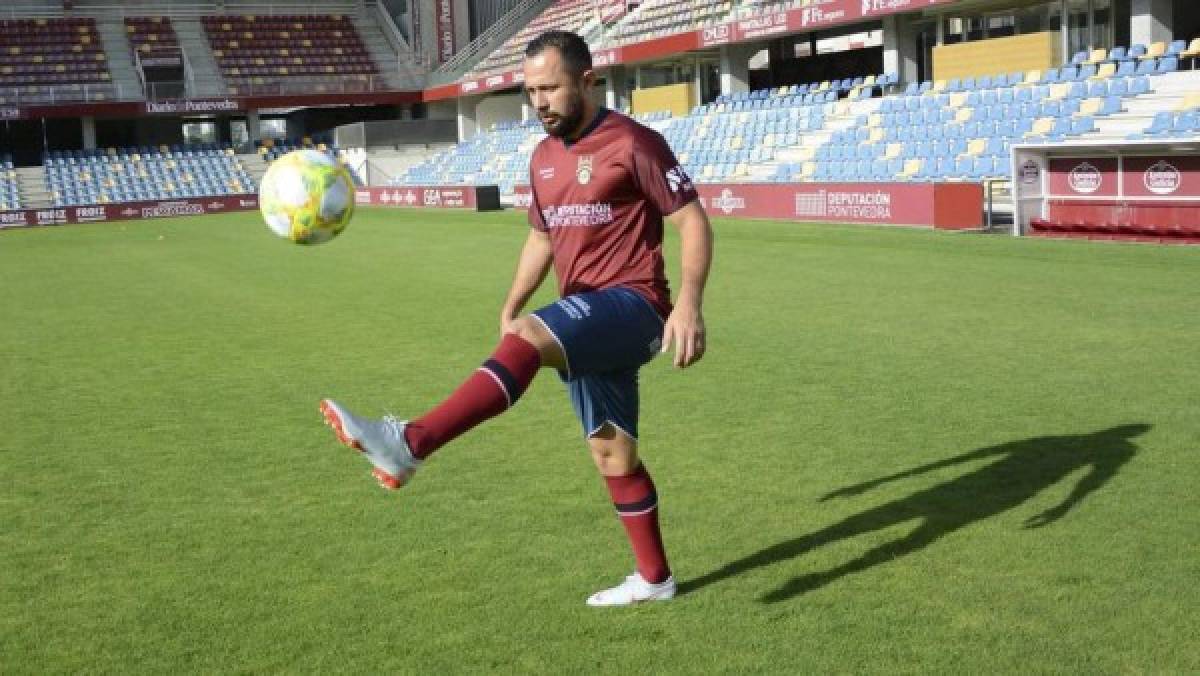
648 502
507 381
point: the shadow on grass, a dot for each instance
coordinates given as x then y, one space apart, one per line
1021 470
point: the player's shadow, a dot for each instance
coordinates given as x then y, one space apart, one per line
1021 470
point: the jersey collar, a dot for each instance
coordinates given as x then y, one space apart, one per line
601 113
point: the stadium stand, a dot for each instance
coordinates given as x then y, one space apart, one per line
152 36
144 173
52 60
579 16
10 195
291 54
659 18
853 130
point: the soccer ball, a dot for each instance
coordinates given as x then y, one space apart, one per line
307 197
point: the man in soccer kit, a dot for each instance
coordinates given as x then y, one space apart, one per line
601 186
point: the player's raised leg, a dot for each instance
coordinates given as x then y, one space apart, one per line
634 495
396 448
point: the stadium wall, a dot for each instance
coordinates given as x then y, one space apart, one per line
1034 51
477 197
99 213
946 206
676 98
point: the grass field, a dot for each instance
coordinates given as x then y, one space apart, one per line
905 452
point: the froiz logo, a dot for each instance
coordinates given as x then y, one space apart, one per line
678 179
727 202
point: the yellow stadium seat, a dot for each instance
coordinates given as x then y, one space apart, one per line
1106 70
1155 50
808 169
1091 106
1097 56
707 172
735 143
893 151
976 146
877 134
939 86
1033 77
769 141
1059 91
741 169
958 99
1192 50
1042 126
1190 102
964 115
912 167
807 153
875 119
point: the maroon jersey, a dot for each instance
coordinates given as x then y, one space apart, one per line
602 198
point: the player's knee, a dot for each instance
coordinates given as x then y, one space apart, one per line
613 454
526 328
531 331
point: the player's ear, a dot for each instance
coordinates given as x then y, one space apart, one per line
588 78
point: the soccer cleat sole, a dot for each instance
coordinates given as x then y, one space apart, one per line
334 421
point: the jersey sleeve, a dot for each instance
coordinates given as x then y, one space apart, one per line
659 175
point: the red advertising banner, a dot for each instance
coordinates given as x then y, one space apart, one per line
449 197
98 213
1171 177
1083 177
944 205
445 30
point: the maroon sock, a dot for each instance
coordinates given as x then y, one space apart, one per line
489 391
637 505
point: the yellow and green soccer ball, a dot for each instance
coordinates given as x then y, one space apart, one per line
307 197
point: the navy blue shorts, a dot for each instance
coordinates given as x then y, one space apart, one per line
606 336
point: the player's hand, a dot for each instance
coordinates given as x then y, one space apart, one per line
685 331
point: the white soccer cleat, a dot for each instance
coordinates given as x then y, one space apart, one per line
381 441
634 589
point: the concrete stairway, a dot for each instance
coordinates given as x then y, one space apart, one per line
120 59
255 165
398 70
31 184
206 77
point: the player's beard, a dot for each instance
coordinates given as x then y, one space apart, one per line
566 123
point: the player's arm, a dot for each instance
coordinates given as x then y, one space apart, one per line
532 266
685 327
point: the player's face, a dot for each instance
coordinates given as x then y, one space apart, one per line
556 94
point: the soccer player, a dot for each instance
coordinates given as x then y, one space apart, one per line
602 185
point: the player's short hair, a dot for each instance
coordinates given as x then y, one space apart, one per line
574 50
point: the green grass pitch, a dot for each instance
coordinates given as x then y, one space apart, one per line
905 451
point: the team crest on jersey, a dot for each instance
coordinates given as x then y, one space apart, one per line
583 170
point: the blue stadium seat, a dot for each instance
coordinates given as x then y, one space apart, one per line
1167 64
1146 67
